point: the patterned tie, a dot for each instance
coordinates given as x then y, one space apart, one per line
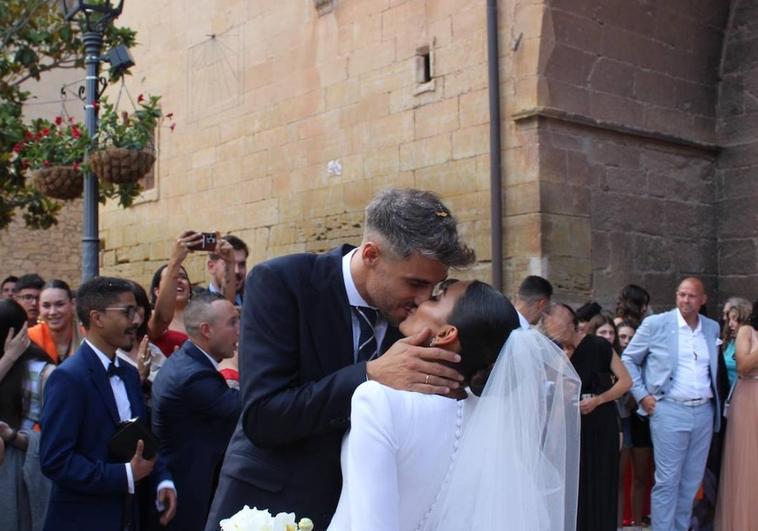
367 346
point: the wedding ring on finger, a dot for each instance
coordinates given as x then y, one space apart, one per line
426 380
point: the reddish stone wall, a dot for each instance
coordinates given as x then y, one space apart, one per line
627 140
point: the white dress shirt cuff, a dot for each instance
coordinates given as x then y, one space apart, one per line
129 477
165 484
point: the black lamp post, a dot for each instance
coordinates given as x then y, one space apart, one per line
94 17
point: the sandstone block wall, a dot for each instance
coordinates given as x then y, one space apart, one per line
278 92
52 253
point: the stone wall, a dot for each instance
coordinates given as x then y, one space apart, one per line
625 119
52 253
736 175
266 94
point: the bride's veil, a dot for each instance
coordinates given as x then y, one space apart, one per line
517 465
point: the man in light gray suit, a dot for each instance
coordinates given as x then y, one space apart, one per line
673 361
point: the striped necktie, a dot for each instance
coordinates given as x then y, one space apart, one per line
367 345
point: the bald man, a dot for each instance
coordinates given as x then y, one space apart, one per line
673 363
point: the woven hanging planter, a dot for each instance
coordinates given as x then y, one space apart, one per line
59 182
121 166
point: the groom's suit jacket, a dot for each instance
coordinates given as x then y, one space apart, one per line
297 378
79 419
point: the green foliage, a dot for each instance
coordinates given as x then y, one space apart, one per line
129 131
34 38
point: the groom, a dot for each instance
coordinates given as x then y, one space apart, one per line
313 328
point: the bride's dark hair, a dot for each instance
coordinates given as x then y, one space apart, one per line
484 318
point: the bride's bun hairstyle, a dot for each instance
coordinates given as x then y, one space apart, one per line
484 318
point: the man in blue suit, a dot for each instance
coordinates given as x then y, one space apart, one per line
313 329
194 410
673 361
86 398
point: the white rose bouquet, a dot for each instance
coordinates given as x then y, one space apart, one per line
261 520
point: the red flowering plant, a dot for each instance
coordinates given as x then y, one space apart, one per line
61 142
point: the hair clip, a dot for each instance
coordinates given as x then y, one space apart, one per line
441 214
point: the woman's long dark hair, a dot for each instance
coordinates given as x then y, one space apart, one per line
12 315
156 282
484 318
140 296
632 302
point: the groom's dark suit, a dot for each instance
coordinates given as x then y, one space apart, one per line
298 375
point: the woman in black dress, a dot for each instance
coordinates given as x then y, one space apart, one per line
604 379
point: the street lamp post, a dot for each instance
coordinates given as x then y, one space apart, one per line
94 17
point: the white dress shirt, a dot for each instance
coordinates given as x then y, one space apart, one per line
522 322
124 412
354 299
692 375
122 400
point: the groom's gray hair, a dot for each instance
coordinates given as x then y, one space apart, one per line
416 221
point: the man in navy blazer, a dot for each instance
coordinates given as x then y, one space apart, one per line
86 398
313 327
194 410
673 361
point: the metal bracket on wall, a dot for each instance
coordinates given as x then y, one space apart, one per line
324 6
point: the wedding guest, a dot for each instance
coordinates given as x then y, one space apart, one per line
736 509
194 410
312 332
632 305
87 399
673 361
229 369
397 477
597 365
585 313
642 445
170 291
24 369
602 325
26 292
224 273
532 298
144 356
6 288
737 314
58 331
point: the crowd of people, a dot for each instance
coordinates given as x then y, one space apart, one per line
665 401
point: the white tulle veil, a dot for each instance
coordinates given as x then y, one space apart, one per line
517 466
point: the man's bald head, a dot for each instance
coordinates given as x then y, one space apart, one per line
690 297
694 283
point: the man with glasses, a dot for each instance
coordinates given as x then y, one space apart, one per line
26 292
673 361
87 398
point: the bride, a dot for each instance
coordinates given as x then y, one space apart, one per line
506 460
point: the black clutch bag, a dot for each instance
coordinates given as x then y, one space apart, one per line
124 442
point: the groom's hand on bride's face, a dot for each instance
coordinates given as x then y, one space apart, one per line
410 366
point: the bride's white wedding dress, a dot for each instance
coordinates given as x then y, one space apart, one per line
507 460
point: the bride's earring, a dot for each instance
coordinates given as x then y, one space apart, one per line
432 341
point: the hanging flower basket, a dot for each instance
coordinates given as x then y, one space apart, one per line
59 182
120 165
